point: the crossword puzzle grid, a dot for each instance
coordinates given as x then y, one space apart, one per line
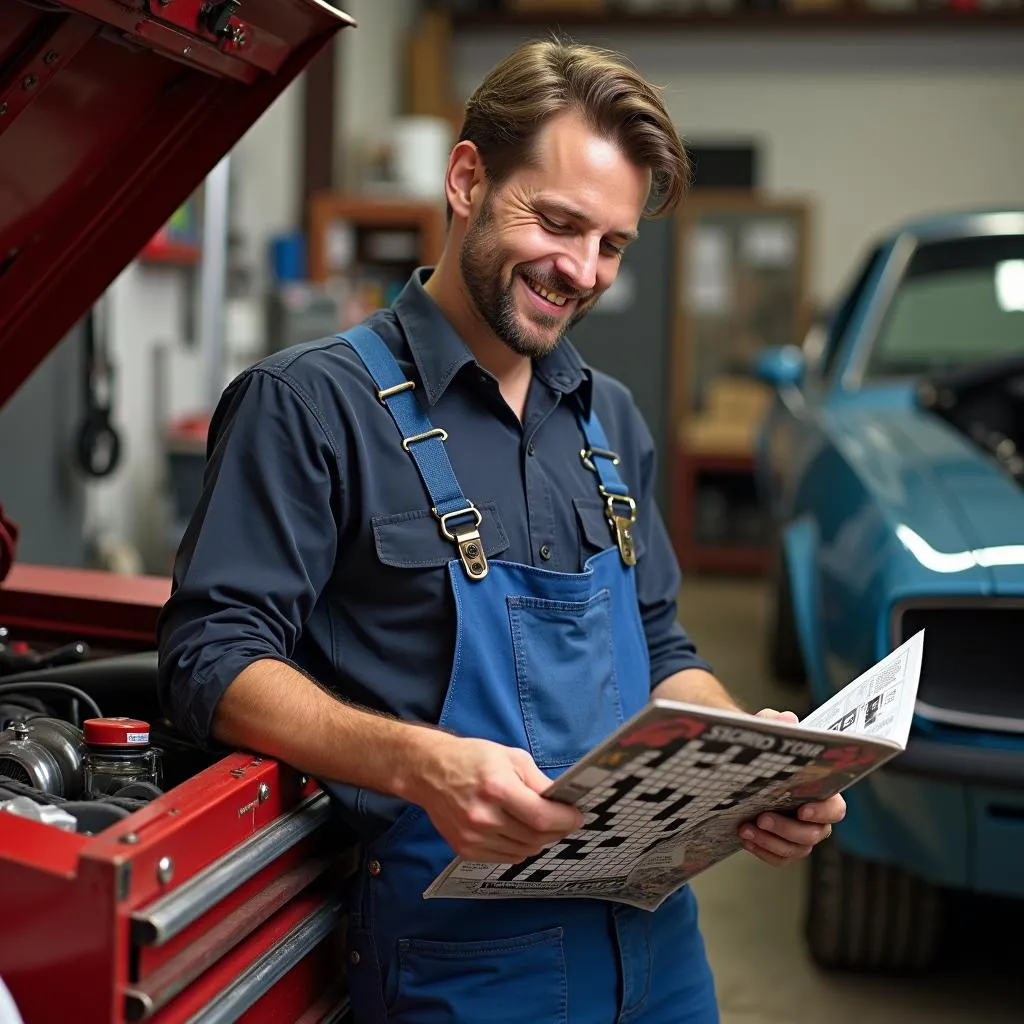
654 797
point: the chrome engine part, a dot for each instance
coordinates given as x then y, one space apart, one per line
80 779
47 814
45 753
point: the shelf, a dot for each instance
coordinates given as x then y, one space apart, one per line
697 554
328 209
875 21
741 561
177 253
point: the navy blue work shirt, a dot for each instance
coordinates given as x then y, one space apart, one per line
314 542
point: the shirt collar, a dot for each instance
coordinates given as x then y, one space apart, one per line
439 353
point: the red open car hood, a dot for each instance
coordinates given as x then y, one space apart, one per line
111 114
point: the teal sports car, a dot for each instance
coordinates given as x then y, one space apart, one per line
891 465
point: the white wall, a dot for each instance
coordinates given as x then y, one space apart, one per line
145 310
265 168
871 128
370 82
267 162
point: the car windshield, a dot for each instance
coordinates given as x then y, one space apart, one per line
961 303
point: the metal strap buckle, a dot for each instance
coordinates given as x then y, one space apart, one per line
406 385
469 510
609 505
436 432
587 456
621 521
467 537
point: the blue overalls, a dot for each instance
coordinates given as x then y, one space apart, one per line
549 662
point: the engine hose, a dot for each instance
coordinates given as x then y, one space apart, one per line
65 688
95 815
10 788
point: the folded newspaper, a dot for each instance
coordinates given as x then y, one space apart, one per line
664 796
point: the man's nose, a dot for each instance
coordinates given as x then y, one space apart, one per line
578 263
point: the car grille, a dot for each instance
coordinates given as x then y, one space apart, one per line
973 670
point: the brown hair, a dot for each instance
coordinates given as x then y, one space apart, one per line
543 78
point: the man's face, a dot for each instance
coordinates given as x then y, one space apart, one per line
542 248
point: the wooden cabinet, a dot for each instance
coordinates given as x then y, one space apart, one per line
366 248
741 280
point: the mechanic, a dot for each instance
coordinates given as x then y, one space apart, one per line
428 569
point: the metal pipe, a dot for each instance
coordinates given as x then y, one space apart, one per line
213 278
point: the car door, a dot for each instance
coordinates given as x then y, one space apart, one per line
798 435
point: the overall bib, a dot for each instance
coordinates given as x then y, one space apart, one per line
549 662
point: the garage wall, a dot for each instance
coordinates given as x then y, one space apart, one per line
872 128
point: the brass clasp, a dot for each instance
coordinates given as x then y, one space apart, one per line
467 537
620 510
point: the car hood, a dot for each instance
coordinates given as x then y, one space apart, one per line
956 512
111 115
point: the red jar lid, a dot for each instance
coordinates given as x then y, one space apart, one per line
116 732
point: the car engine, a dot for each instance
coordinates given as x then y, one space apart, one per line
985 403
63 760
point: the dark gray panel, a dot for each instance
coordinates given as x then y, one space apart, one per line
629 333
39 486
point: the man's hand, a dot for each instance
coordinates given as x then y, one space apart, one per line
778 839
484 800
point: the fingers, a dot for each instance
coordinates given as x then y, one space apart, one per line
777 839
486 833
508 820
825 812
768 858
507 842
528 771
546 818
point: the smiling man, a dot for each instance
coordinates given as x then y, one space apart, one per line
428 569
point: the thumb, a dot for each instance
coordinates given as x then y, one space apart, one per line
785 716
554 815
528 771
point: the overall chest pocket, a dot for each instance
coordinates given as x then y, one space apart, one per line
565 672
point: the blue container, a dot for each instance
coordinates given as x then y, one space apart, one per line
288 257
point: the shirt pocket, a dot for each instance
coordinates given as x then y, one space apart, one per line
595 533
413 540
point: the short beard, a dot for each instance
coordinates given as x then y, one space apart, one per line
481 260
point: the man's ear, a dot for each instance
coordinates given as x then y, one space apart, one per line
464 178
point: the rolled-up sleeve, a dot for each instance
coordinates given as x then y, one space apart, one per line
658 579
258 550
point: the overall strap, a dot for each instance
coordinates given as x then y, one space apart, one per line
459 518
620 508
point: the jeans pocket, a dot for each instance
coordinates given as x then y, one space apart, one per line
565 671
514 979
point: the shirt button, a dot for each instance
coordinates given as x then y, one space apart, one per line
545 551
531 449
374 868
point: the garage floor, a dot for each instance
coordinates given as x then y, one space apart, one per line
752 913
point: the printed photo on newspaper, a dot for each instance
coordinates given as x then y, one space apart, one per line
664 796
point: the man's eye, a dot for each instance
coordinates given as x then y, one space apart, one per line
553 225
614 250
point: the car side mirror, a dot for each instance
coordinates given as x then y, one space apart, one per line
782 367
